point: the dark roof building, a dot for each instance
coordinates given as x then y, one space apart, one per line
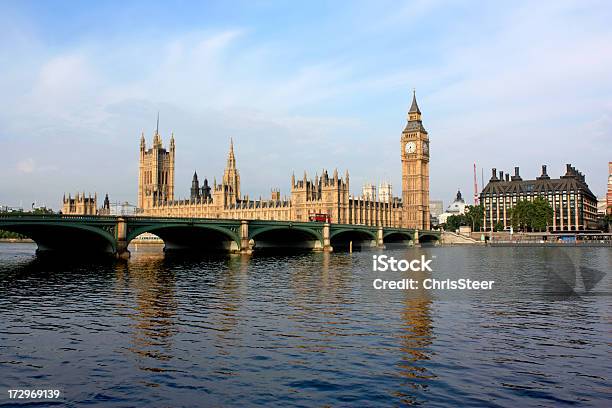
574 205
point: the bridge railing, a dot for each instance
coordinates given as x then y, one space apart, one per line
57 217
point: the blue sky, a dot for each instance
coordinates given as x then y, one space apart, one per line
299 86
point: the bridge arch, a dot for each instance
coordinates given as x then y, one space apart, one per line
192 236
425 238
286 237
341 239
77 237
396 239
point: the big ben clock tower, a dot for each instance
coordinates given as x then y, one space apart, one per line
415 171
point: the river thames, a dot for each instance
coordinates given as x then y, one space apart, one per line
307 329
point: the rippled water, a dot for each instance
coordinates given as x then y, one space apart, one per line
308 329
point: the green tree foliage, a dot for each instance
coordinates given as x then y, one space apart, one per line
533 215
474 215
453 222
498 227
9 234
541 214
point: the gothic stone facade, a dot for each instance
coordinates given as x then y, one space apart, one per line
324 194
84 205
80 204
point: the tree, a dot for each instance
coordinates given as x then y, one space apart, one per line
520 215
453 222
541 214
498 227
474 215
531 215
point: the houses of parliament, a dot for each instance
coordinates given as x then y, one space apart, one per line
327 194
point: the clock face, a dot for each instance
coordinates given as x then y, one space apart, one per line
425 148
410 147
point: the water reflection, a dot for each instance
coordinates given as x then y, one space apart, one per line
177 330
416 337
151 307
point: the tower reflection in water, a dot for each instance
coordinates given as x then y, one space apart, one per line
416 337
153 312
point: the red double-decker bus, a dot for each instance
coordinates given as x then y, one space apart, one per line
319 217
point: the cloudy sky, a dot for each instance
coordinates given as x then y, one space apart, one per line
299 86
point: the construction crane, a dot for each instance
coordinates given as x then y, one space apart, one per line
476 200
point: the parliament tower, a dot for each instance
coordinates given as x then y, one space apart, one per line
156 172
415 170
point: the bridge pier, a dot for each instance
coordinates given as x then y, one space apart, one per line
122 243
380 237
326 239
245 245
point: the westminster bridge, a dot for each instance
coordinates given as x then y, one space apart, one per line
112 234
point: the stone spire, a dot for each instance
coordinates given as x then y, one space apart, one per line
157 142
231 176
414 108
231 159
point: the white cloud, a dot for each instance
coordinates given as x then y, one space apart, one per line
26 166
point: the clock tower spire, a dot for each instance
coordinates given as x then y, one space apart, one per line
415 170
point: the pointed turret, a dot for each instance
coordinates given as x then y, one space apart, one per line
172 141
143 144
414 108
195 187
231 159
414 117
231 176
205 190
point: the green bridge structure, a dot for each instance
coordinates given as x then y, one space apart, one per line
113 234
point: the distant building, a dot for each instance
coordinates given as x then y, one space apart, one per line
574 205
385 193
436 207
7 209
369 192
80 204
85 205
602 206
105 210
457 207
